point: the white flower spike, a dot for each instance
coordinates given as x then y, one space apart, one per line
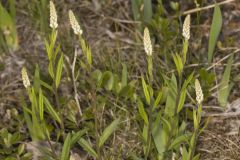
147 42
25 78
74 24
186 27
199 93
53 16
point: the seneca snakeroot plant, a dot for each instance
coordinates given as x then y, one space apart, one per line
199 93
25 78
53 16
186 27
147 42
74 23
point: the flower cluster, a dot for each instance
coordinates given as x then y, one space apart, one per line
186 27
25 78
199 93
53 16
74 23
147 42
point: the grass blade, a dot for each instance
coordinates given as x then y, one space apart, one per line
145 90
59 71
66 148
225 87
108 131
51 110
87 147
214 31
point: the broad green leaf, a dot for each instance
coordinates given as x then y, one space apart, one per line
146 91
158 99
181 100
51 110
147 11
136 4
59 71
171 97
142 112
160 135
225 87
184 153
97 75
178 63
87 147
214 32
40 104
7 25
108 80
108 131
66 148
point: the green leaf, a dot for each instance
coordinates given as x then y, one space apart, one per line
89 56
59 71
66 148
40 104
160 137
195 121
178 62
171 97
50 69
36 82
179 140
107 80
108 131
185 49
214 31
76 136
136 4
51 110
147 11
158 99
145 90
197 157
185 154
181 100
225 87
142 111
87 147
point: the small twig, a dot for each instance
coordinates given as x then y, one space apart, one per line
76 96
207 7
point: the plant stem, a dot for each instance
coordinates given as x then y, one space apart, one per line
58 107
94 99
74 84
195 134
149 139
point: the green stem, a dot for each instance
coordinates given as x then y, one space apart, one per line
196 132
58 107
149 138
